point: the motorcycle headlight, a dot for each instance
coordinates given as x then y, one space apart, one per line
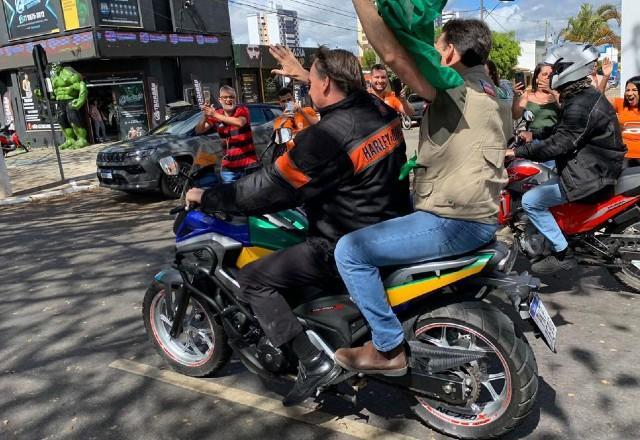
140 154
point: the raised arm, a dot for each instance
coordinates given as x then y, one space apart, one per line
391 51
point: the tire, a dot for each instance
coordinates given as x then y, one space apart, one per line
626 273
511 357
407 123
172 186
186 357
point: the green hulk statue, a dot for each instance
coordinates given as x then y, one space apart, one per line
70 94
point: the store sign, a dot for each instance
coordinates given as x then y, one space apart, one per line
131 109
249 87
197 89
76 13
124 13
26 18
7 109
31 105
253 55
157 99
154 44
62 49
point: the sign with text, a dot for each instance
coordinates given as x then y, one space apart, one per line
157 102
26 18
123 13
61 49
132 111
76 13
197 89
31 105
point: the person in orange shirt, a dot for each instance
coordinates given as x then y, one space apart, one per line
295 116
628 110
379 87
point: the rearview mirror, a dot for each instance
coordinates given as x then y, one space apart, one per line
283 135
169 166
528 116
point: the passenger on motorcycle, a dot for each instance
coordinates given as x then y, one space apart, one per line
586 145
457 183
345 170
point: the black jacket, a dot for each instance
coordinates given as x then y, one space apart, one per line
344 169
586 144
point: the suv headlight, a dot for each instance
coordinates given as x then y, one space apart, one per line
140 154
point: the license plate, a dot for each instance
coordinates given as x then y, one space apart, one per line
106 174
541 317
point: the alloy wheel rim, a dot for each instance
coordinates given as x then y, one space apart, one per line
491 376
196 344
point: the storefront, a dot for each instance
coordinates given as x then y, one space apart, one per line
254 63
130 75
135 56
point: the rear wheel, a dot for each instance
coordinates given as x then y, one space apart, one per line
200 349
628 269
501 388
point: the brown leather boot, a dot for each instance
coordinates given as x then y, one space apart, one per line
368 360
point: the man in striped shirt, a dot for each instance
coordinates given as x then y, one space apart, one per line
234 128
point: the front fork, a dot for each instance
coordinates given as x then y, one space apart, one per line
182 299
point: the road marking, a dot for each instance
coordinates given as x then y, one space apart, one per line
234 395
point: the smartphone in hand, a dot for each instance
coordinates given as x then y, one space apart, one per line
519 78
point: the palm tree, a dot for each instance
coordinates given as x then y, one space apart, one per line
592 26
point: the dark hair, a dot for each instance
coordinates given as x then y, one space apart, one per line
493 72
536 72
471 38
285 91
342 67
635 80
378 67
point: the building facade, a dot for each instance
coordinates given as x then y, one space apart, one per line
134 55
279 27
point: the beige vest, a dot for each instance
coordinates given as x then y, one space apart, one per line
462 178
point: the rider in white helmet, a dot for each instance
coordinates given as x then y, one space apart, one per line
586 145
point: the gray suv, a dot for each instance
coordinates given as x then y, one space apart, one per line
132 165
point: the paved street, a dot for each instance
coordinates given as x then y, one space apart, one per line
75 362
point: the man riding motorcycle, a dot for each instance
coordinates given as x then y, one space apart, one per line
586 145
345 170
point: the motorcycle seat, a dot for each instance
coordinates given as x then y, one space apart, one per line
629 182
395 275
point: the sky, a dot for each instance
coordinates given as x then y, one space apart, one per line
332 22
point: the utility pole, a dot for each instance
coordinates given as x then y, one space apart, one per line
5 184
482 10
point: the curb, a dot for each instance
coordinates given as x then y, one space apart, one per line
48 194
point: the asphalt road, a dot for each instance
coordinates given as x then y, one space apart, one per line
75 362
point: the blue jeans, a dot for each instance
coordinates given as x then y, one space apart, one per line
416 237
229 176
536 203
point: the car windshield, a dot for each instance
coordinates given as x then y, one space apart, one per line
181 124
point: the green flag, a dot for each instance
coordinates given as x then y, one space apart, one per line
412 23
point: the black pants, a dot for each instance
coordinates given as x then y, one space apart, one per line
267 283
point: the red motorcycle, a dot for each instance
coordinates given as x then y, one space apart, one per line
604 233
10 141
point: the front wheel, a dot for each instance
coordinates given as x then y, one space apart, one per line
501 388
200 349
627 270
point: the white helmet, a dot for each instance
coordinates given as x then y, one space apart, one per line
570 62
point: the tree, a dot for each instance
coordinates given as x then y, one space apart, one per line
369 58
505 50
592 26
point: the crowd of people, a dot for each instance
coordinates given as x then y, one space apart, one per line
359 213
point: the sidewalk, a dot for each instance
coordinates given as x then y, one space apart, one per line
35 175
